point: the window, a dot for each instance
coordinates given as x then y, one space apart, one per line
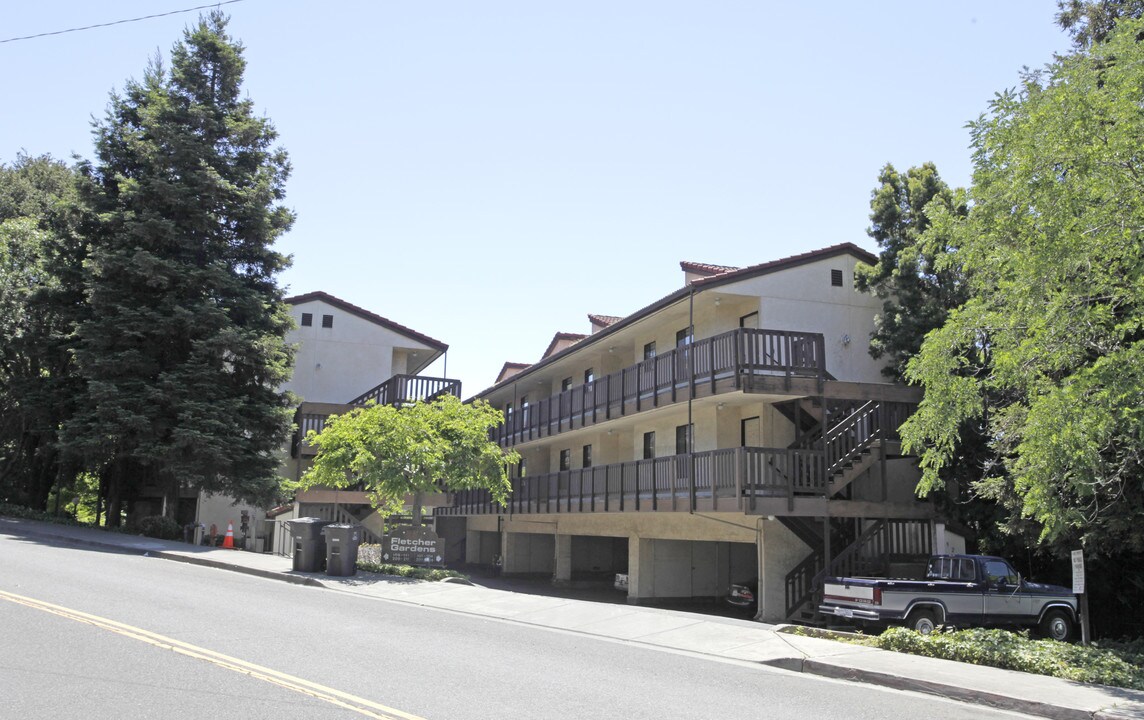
648 445
524 409
683 337
508 411
565 460
589 376
307 319
998 571
327 321
566 384
836 278
586 456
521 469
682 438
750 320
649 351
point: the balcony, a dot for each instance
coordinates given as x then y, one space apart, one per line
399 391
715 364
408 389
727 480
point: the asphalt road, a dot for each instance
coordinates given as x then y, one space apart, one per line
127 636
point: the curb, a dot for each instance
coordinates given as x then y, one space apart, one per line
220 565
952 692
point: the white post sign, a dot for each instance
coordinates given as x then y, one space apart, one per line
1078 572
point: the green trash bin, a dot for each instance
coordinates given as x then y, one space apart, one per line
309 544
342 549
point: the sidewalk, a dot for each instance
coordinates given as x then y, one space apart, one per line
707 635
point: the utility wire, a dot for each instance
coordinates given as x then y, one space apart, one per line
119 22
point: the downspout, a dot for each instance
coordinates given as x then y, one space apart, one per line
691 396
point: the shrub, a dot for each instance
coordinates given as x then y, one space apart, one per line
159 526
1106 663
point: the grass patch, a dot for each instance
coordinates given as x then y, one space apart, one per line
1105 662
369 560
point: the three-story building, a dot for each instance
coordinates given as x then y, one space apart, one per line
736 429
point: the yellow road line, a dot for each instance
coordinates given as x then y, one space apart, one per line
359 705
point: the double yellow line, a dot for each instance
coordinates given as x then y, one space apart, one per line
359 705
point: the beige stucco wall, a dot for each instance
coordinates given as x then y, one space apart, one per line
802 298
218 510
340 363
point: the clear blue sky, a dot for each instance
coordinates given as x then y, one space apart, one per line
490 173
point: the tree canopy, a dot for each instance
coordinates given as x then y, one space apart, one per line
426 447
41 259
1046 357
183 349
913 275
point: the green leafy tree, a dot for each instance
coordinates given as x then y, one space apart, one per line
917 275
184 348
1090 21
1047 354
41 259
423 448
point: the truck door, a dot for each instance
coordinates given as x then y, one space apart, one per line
1005 602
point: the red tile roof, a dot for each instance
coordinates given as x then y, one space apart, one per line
558 337
604 320
509 366
705 268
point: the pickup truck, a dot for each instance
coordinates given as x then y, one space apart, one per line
958 590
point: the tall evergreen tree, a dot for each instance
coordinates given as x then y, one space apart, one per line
184 349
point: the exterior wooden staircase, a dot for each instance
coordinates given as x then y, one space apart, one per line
863 434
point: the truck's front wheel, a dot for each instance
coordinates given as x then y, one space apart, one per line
1056 625
922 621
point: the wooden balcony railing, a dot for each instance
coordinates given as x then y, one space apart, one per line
726 479
407 389
399 390
668 378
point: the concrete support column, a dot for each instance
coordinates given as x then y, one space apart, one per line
563 573
779 552
510 553
472 546
641 569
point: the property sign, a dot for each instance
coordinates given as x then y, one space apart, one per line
1078 572
408 545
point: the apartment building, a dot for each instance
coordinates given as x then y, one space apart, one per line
735 429
348 356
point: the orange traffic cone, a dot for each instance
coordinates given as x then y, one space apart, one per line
228 541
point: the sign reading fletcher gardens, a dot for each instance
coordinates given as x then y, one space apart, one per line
408 545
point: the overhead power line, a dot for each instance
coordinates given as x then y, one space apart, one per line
119 22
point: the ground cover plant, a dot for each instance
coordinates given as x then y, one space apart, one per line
1105 662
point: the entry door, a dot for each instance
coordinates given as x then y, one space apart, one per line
751 432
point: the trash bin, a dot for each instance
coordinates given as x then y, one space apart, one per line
309 545
341 549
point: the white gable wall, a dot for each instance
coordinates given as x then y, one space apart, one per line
338 364
802 298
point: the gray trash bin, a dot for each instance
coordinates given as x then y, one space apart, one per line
342 548
309 545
